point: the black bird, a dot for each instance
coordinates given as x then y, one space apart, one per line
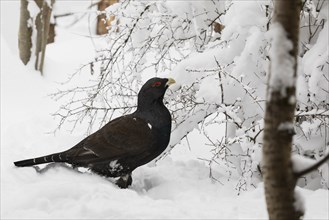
124 143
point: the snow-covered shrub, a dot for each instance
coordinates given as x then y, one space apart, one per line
221 77
312 138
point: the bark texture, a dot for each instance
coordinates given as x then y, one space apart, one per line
51 33
102 22
279 178
42 23
25 33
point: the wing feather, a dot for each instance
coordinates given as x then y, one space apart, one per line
120 138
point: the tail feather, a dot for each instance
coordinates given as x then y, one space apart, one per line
58 157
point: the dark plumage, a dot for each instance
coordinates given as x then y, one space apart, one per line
124 143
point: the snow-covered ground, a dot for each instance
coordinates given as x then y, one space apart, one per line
176 187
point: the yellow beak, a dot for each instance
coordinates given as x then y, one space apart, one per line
170 81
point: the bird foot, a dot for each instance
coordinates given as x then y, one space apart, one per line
124 181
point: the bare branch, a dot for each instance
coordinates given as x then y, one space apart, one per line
311 168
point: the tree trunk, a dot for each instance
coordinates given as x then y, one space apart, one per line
51 33
42 23
25 33
279 178
102 22
39 24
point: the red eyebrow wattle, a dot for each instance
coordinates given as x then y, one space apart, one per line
156 84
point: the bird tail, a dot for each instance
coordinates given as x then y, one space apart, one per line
58 157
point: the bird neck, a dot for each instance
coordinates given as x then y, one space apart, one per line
154 112
146 105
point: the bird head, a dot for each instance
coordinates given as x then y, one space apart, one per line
153 90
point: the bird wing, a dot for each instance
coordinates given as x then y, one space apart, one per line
121 137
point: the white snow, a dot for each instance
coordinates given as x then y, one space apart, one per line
282 67
315 59
299 201
300 162
286 126
176 187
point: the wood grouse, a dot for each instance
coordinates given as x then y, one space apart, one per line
124 143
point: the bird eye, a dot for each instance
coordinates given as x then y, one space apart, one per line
156 84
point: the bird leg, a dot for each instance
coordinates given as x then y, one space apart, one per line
124 181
